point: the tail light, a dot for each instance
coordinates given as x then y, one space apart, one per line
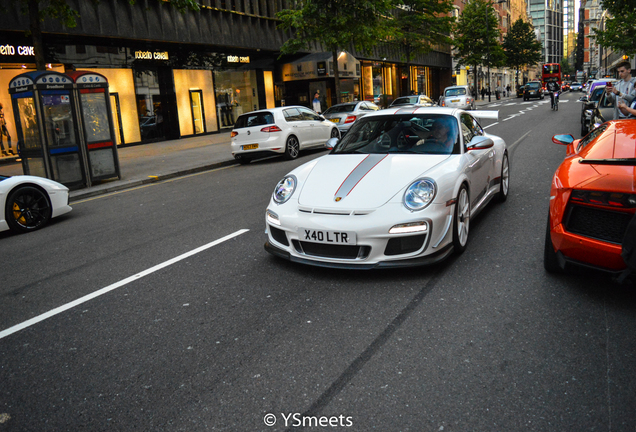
233 134
443 103
350 119
271 129
608 199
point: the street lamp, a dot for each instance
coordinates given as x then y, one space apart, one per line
488 43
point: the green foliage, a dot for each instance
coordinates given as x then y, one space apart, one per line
419 25
566 68
335 24
521 45
620 27
477 40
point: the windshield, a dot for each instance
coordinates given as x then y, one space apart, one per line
455 92
405 100
533 85
340 109
596 94
403 133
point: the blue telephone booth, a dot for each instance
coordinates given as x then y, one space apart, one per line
48 137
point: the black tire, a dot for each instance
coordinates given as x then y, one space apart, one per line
292 148
243 160
27 209
550 261
335 133
504 184
461 222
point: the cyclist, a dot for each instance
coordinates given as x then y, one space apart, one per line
553 87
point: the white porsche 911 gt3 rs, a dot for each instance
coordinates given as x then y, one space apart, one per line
400 189
29 202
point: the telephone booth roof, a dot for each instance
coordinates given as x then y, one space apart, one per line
29 80
85 79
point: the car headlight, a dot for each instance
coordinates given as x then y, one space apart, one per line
420 194
285 189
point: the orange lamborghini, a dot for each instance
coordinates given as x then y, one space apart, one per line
592 199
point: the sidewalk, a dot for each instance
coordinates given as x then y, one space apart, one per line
158 161
154 162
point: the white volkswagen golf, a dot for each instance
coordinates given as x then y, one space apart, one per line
282 130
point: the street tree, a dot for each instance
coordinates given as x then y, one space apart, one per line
521 46
419 26
336 25
476 37
60 10
620 28
566 68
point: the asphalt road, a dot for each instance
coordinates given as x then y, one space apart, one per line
192 326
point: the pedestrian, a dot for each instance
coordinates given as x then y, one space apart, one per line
623 89
316 103
483 92
508 89
4 132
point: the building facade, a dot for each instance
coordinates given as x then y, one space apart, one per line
547 18
174 75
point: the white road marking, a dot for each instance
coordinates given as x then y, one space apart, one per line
514 144
121 283
490 125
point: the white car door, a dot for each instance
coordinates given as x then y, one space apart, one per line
320 129
480 163
299 126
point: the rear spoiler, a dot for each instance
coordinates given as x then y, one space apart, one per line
622 161
483 114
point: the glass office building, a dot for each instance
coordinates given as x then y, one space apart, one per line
547 17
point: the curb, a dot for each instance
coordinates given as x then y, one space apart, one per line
79 194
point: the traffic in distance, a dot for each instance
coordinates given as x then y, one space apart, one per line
390 194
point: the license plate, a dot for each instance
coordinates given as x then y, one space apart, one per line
327 237
335 120
454 100
249 147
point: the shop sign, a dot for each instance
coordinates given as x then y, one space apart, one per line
11 50
322 68
238 59
149 55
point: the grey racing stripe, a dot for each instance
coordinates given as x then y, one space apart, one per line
357 174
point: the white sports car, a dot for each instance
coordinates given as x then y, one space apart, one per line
399 190
28 202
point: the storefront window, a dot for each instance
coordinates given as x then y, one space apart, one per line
149 104
235 94
196 104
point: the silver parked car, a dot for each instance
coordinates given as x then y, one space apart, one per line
458 97
421 100
345 114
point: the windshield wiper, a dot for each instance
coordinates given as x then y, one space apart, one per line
616 161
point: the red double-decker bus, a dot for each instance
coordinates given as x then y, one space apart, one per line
549 72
